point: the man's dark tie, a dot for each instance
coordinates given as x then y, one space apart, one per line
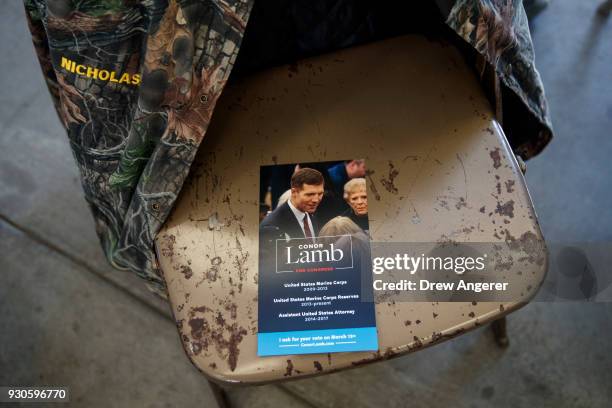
307 232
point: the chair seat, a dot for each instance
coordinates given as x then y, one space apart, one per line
439 166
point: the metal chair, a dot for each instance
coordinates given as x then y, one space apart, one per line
439 165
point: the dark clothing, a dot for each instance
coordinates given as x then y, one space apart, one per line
275 178
338 176
333 202
281 223
360 220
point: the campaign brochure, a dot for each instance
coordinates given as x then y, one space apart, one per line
314 260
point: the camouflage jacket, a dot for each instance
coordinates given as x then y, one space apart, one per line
135 83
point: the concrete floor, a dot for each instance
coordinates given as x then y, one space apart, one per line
68 319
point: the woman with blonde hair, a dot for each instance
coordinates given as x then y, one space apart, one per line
356 197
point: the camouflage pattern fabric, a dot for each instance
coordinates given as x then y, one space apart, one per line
135 84
498 30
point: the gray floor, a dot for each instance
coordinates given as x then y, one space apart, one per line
68 319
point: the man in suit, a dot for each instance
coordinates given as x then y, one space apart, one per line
296 217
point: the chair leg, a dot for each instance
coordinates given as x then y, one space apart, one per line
220 395
605 8
500 332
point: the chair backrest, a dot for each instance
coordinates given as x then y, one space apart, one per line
439 165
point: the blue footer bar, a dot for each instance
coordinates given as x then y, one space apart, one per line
317 341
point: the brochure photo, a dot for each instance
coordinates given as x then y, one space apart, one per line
314 259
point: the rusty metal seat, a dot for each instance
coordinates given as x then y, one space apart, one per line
440 167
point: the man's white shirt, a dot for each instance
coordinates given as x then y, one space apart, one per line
299 216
